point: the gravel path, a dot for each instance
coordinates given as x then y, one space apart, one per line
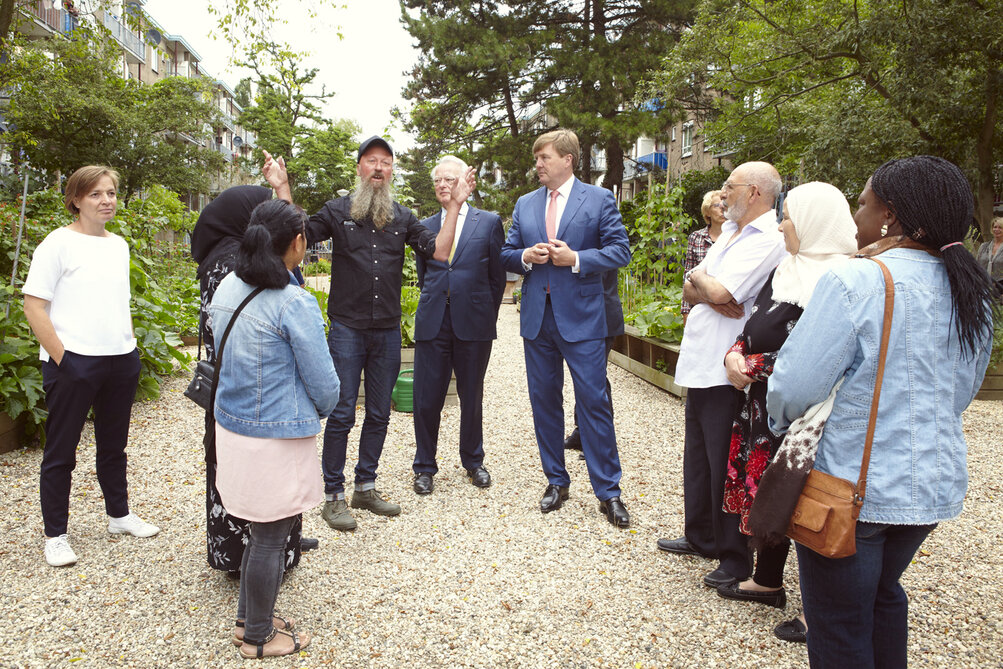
464 577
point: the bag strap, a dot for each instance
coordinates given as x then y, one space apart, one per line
198 356
886 331
222 343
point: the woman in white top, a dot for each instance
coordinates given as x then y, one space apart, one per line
76 300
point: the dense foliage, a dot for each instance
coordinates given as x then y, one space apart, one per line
70 106
492 76
830 89
651 285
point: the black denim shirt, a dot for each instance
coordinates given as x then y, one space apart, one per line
366 263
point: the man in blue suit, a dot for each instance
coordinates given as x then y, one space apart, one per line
564 238
454 329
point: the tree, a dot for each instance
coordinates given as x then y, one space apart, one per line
487 67
324 163
830 89
70 108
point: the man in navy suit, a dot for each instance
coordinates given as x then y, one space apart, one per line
454 329
564 238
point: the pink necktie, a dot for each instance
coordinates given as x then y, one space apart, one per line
552 216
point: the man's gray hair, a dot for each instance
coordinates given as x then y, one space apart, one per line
451 159
766 178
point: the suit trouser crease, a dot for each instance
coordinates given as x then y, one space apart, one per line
375 351
435 361
80 382
609 390
545 356
712 531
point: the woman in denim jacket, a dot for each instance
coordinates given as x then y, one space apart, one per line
276 382
915 211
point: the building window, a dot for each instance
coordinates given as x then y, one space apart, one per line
673 138
687 139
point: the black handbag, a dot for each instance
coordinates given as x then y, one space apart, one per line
202 388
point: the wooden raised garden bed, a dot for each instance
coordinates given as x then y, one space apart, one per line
651 359
992 385
407 362
11 432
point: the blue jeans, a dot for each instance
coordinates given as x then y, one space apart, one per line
855 607
377 352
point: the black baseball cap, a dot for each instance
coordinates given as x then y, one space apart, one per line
375 140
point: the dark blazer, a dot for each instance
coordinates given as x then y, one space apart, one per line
474 281
591 225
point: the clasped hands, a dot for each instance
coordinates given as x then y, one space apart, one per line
555 251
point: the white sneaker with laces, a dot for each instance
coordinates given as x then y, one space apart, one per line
58 552
132 524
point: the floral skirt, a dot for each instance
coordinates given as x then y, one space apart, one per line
753 446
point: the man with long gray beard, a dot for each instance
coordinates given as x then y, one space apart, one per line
368 231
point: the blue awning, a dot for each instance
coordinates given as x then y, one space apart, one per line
658 159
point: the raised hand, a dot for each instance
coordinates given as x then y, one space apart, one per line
464 186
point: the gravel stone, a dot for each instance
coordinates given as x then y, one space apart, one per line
464 577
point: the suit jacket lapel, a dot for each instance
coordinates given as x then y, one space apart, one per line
575 200
469 225
539 210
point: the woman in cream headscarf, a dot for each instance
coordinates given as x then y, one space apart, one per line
820 234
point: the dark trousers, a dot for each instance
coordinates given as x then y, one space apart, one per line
108 384
545 357
434 362
261 575
377 352
770 563
857 611
609 390
709 413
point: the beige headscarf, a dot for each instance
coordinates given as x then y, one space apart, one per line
825 228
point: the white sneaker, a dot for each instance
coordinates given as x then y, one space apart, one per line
58 552
132 524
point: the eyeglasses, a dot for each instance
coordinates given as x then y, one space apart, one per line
449 181
727 185
373 161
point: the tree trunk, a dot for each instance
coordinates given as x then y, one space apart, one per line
614 165
985 195
6 19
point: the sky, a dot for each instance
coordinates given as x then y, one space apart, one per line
365 69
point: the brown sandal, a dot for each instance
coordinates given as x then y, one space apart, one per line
278 622
260 651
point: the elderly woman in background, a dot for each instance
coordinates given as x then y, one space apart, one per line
276 382
215 242
990 254
700 241
819 235
913 214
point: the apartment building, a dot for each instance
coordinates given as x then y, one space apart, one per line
149 54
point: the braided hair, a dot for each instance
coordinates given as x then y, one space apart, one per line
932 200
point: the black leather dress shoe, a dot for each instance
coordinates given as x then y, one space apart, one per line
615 512
479 477
553 498
574 441
775 598
680 546
718 578
423 484
308 544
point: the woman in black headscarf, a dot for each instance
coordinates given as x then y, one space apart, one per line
215 242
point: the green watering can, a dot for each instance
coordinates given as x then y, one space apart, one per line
402 397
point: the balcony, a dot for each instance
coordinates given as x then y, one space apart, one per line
227 153
47 20
134 46
229 122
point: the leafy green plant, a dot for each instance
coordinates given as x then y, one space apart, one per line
996 357
320 268
409 307
321 298
651 285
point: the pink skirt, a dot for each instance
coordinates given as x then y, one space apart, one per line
262 480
